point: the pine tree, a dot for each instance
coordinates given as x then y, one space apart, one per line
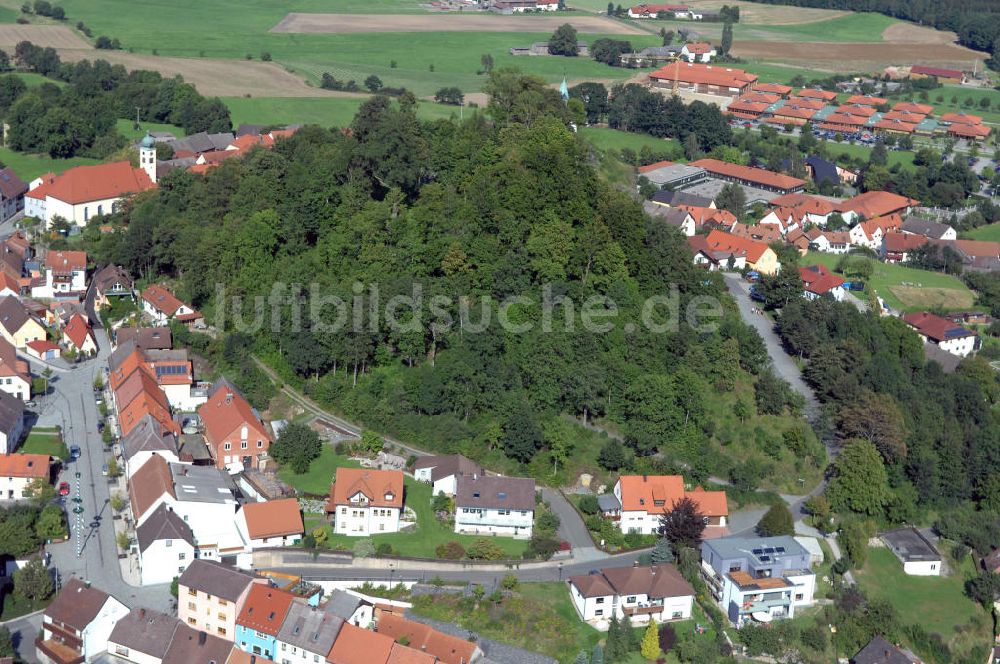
598 656
611 9
582 658
650 648
628 635
612 645
662 552
727 38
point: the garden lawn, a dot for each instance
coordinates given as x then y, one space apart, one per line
30 166
420 542
906 288
323 111
901 157
538 617
947 92
855 27
45 441
937 603
990 232
606 139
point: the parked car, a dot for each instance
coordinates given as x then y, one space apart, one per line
100 426
74 451
64 488
104 470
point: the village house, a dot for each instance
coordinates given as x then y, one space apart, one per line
14 377
189 645
444 648
654 11
831 242
18 471
698 52
943 76
759 578
83 192
897 247
761 232
236 436
137 395
976 255
210 595
870 233
442 472
307 634
146 440
720 250
11 422
495 506
918 555
17 325
809 209
362 646
880 651
272 523
651 56
669 198
929 229
77 624
366 502
704 79
166 546
65 275
260 619
145 338
818 281
12 191
162 306
873 204
679 218
941 332
640 501
822 170
111 282
708 217
825 96
642 593
143 636
79 337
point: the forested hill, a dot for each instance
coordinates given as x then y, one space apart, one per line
976 22
496 206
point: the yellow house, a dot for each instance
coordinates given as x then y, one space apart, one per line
17 325
759 256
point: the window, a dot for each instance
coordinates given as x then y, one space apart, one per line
169 542
192 621
343 510
243 445
799 597
260 443
223 602
192 592
599 612
121 650
284 646
221 616
630 600
228 446
600 600
191 606
676 614
221 631
181 556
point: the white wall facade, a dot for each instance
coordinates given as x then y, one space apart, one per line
16 386
12 488
163 560
286 653
479 521
138 459
963 346
361 521
95 636
79 213
10 439
923 568
592 609
180 397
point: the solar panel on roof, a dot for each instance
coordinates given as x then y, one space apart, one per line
757 552
765 559
780 549
769 549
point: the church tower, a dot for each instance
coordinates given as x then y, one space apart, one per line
147 156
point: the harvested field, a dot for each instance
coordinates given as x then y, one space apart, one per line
754 13
372 23
213 77
908 33
848 57
930 298
56 36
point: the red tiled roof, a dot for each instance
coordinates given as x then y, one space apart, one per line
359 646
936 71
656 9
819 280
877 203
162 299
83 184
905 116
24 465
910 107
66 261
747 106
705 215
805 102
727 242
698 48
902 242
274 518
970 131
856 110
816 94
896 125
446 648
805 203
866 100
652 167
41 346
748 174
776 88
265 608
844 119
77 330
656 493
225 412
757 96
688 72
382 488
787 111
961 118
935 327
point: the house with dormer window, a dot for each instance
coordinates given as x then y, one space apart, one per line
495 506
366 502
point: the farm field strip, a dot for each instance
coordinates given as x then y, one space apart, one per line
444 22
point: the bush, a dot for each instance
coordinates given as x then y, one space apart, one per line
668 638
777 521
383 549
547 523
265 56
364 548
589 505
485 549
543 546
450 551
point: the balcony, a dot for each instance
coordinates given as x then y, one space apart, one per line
642 609
766 605
58 652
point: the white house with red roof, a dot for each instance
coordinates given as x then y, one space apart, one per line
65 275
698 52
160 304
818 281
869 233
642 499
83 192
941 332
236 436
271 523
365 502
43 349
79 336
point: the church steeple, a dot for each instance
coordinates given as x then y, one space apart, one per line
564 89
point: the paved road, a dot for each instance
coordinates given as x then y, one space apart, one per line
785 367
23 631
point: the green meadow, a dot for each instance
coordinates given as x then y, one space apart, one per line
323 111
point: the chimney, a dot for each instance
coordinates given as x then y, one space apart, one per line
645 478
142 613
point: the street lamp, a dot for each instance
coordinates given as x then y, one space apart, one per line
560 570
392 570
